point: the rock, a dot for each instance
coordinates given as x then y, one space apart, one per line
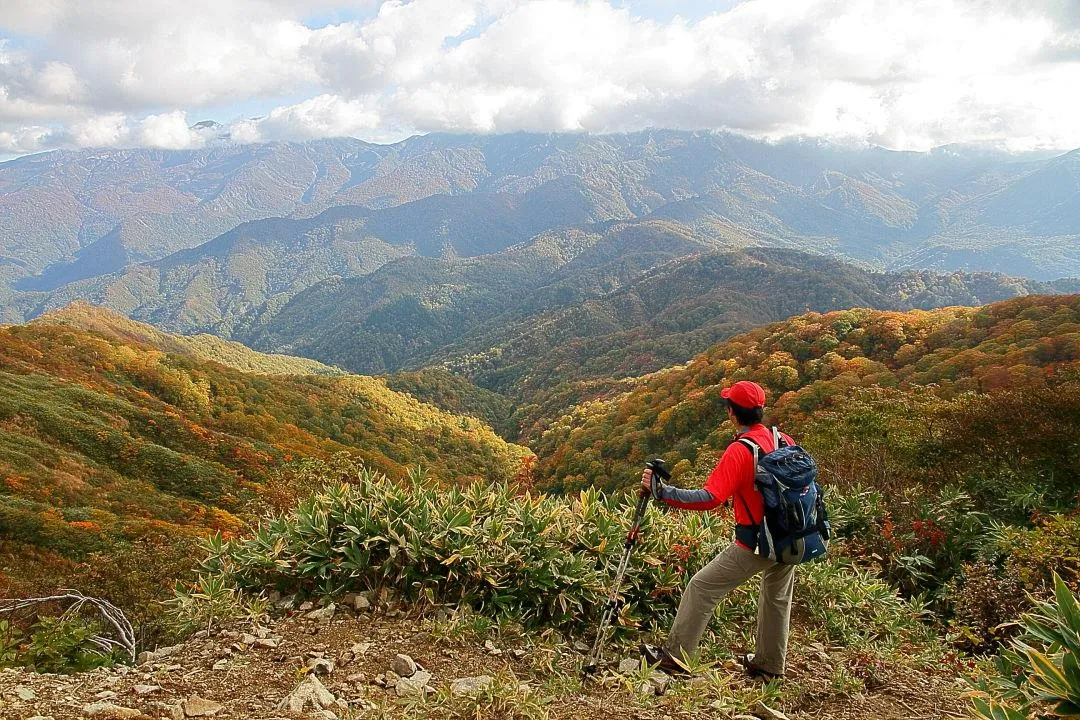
320 666
471 685
360 648
403 665
309 693
520 653
196 706
146 656
268 642
324 715
490 647
248 639
765 712
106 695
629 665
306 606
660 682
40 717
25 694
145 689
414 686
361 603
108 711
324 614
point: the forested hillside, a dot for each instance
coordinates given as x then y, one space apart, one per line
104 433
210 347
812 364
560 317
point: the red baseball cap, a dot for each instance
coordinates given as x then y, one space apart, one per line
745 394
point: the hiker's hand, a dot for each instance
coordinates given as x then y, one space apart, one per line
651 484
646 480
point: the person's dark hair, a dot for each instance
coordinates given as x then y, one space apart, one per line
747 416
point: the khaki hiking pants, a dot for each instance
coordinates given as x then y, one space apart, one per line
727 571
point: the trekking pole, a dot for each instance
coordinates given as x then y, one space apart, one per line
657 466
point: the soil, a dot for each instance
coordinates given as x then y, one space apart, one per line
249 681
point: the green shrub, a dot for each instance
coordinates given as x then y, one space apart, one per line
538 559
1041 672
210 601
60 644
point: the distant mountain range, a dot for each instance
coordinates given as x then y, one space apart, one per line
192 239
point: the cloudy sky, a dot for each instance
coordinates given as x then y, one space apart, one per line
906 74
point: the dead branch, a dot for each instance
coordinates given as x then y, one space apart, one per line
125 634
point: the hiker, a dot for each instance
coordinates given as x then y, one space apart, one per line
732 478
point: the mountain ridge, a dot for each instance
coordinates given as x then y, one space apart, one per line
112 208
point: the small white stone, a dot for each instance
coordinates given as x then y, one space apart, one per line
471 685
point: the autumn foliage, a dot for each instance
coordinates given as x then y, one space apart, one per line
105 437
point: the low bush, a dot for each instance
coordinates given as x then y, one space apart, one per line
1040 673
53 644
538 559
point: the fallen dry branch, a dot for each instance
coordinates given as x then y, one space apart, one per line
125 634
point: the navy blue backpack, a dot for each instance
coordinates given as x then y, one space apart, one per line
796 525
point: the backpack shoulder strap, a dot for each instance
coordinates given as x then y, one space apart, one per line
778 439
755 449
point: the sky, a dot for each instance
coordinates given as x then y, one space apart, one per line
903 74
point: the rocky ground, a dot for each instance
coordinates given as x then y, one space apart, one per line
352 662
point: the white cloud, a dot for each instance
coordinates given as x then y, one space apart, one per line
169 131
320 116
904 73
24 140
107 130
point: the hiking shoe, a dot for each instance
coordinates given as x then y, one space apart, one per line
747 661
662 660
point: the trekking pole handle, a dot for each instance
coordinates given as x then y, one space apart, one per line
659 468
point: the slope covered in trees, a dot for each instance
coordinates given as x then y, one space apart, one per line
556 319
210 347
808 365
103 434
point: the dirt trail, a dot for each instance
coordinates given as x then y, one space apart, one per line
246 672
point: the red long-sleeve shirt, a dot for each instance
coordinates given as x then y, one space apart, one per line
733 477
